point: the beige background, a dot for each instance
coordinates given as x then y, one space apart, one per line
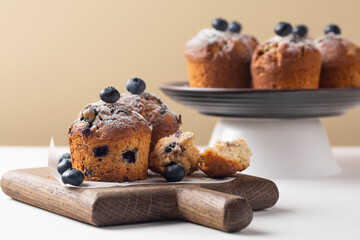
56 56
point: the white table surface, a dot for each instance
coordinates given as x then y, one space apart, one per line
324 208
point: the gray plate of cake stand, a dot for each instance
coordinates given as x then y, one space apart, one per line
281 126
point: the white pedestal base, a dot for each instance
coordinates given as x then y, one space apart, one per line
296 148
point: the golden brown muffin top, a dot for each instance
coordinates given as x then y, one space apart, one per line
337 50
282 51
108 121
149 106
211 43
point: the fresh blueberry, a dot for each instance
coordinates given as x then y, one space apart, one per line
65 155
300 30
135 85
110 95
332 28
174 173
219 24
234 27
64 165
283 29
73 177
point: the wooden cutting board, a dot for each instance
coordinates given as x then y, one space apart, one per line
224 206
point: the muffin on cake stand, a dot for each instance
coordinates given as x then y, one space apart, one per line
282 127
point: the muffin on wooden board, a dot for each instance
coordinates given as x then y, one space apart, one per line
109 142
177 148
225 158
286 62
340 60
220 57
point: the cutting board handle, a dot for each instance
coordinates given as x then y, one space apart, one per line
214 209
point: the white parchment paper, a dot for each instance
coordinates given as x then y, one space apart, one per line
196 177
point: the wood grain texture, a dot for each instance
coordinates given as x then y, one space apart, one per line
224 206
214 209
261 193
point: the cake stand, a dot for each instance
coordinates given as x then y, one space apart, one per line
282 127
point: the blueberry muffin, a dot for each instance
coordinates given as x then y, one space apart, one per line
177 148
163 121
110 143
340 60
225 158
220 57
286 61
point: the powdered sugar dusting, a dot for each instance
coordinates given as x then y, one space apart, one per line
199 45
209 36
330 37
293 44
145 104
109 115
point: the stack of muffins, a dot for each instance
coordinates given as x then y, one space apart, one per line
110 140
120 137
223 58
